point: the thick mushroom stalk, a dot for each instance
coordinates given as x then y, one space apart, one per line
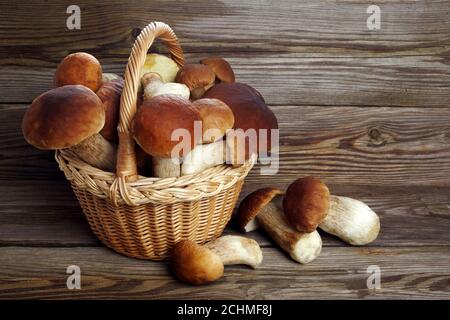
196 264
70 116
203 156
308 204
237 250
265 206
351 220
98 152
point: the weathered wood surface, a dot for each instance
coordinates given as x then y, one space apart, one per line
336 28
367 111
288 79
337 273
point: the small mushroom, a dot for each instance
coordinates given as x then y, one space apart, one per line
164 66
263 208
153 86
197 265
216 117
70 117
110 93
308 204
79 68
153 126
198 78
221 68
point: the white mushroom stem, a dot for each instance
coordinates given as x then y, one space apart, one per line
302 247
351 220
237 250
166 167
98 152
154 86
203 156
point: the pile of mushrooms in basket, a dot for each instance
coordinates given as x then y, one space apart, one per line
82 112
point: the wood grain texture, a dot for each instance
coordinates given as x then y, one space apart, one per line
38 30
405 273
289 79
366 111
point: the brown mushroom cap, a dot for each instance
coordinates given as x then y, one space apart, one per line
306 203
110 93
253 203
221 68
197 77
195 264
158 117
215 115
79 68
63 117
249 109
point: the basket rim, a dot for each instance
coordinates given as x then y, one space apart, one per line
146 190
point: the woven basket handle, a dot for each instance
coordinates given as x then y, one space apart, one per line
126 157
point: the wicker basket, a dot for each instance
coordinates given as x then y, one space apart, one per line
143 217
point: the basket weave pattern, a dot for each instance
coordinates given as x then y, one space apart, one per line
143 217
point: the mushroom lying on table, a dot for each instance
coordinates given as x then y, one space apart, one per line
196 264
70 117
308 204
263 208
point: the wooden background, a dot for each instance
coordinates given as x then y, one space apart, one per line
367 111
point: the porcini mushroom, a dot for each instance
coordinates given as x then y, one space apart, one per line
221 68
250 113
263 208
216 117
164 66
308 204
110 93
70 117
79 68
155 122
153 86
196 264
198 78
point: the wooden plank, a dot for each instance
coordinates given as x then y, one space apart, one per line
46 213
337 273
342 145
416 81
38 30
